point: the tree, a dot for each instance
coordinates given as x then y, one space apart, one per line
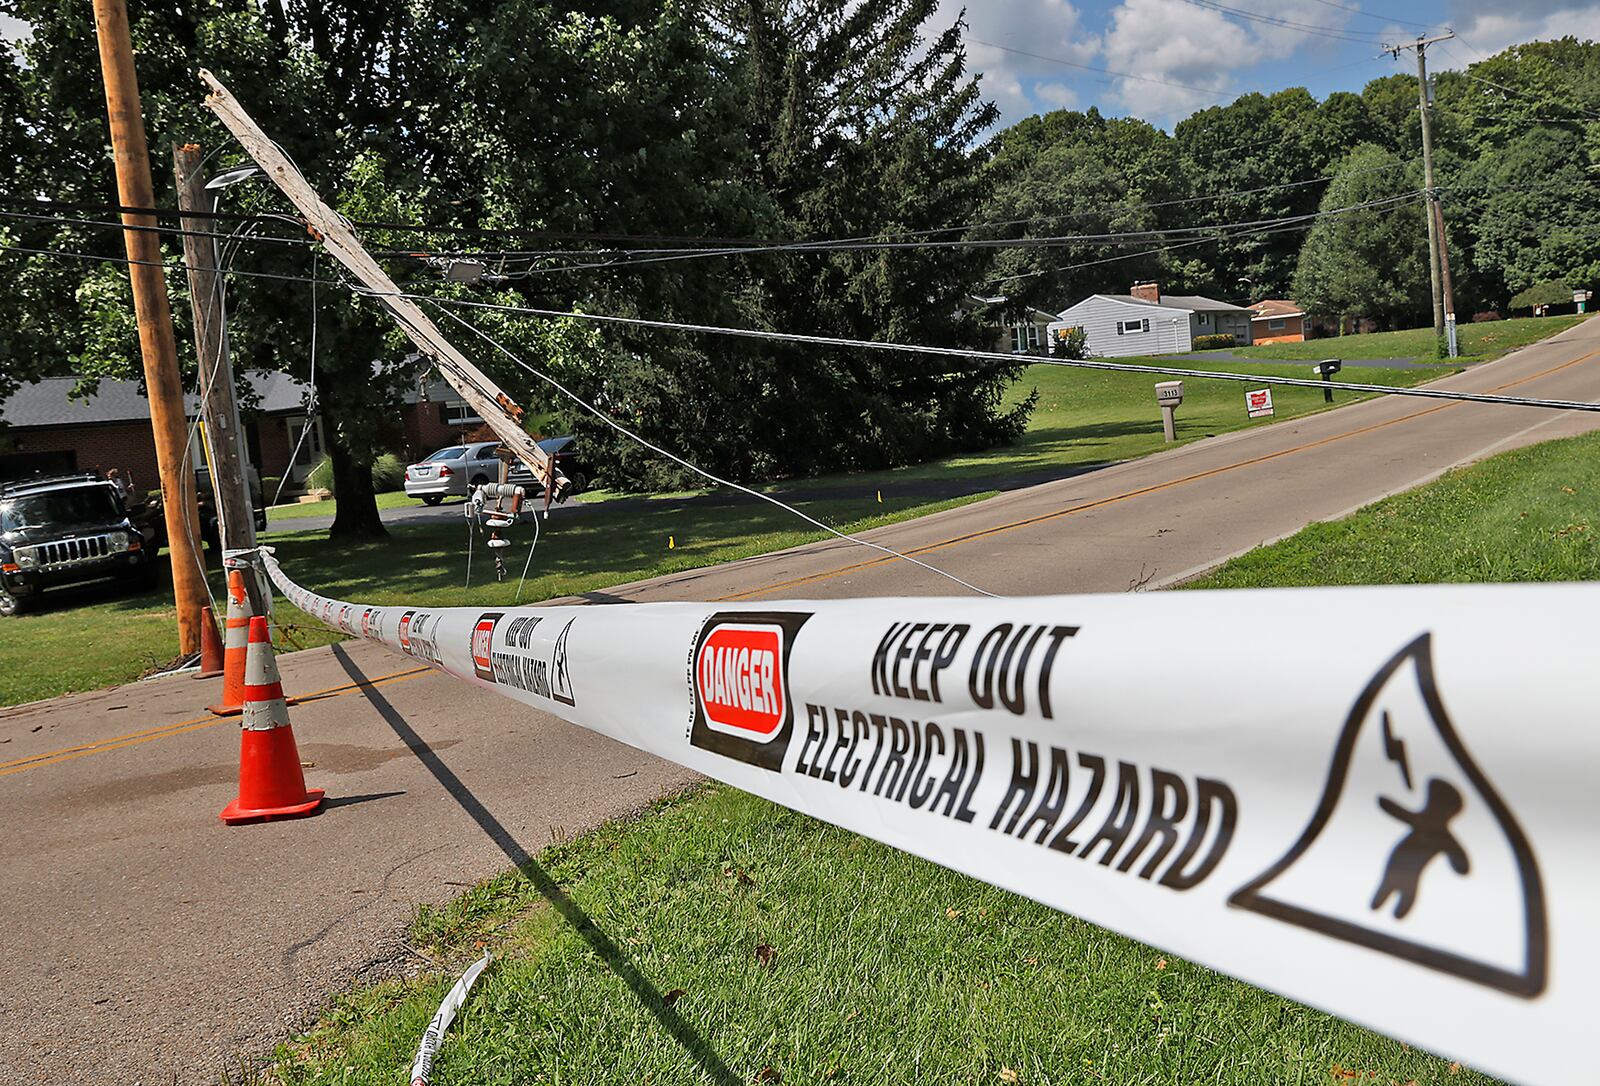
1549 292
1371 262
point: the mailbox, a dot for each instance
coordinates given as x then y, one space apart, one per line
1169 393
1327 367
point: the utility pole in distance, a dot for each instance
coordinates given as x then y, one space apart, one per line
156 340
1443 305
218 406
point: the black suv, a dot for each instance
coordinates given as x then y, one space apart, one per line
66 530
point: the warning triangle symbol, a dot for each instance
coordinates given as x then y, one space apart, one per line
560 677
1410 850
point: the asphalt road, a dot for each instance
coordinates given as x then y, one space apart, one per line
147 943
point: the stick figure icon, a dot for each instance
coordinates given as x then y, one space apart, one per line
1430 835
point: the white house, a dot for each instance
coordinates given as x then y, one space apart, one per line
1145 322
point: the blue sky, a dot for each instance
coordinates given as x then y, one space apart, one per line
1194 53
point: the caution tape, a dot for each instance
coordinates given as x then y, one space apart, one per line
428 1049
1379 801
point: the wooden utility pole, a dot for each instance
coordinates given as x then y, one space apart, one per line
218 406
1443 304
502 415
1444 279
156 341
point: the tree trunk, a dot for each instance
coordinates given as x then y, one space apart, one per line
356 515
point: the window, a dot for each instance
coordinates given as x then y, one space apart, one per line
1024 337
457 413
1125 328
1205 320
1277 325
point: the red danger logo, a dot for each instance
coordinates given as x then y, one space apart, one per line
483 645
405 631
739 677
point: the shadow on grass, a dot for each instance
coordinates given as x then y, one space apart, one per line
603 945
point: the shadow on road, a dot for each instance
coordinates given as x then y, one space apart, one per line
648 994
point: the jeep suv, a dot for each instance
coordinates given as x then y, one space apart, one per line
67 530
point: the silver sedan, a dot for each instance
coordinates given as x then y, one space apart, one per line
449 472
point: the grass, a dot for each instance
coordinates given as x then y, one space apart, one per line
883 969
1525 515
393 499
1083 418
1478 342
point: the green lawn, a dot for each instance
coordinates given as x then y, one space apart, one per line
884 969
1525 515
295 510
1478 342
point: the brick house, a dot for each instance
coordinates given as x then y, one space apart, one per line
1277 320
43 430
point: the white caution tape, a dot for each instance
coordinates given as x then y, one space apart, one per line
1380 801
422 1066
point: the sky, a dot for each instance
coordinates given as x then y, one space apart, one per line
1191 54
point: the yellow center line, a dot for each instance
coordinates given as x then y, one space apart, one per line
1153 488
196 724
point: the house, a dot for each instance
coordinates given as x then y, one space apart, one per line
43 430
1277 320
1024 334
1144 321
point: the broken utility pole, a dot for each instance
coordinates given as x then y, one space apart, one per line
496 408
230 489
156 339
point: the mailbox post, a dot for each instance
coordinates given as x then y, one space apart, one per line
1326 369
1169 394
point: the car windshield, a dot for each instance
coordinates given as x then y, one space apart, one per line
554 445
68 508
455 453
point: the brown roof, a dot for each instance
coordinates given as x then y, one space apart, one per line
1276 307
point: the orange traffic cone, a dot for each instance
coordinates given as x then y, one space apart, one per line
235 647
271 784
210 646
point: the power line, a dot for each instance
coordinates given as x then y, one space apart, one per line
1380 18
1212 91
702 472
1335 33
965 353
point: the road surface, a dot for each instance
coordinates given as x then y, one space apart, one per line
148 943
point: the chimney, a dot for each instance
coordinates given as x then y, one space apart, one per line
1150 292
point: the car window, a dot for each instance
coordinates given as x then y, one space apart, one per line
554 445
486 453
455 453
75 507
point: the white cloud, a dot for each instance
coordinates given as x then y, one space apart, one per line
13 29
1056 95
1174 42
1490 27
1047 28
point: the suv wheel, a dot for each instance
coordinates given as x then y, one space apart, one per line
10 605
432 499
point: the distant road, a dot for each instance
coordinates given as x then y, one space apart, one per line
146 942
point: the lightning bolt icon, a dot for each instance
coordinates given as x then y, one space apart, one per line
1395 749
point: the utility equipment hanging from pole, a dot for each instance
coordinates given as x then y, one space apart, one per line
218 406
487 400
156 339
1444 310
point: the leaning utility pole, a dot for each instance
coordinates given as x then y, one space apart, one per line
224 433
496 409
156 341
1443 305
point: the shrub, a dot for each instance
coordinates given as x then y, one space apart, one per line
1549 292
1069 343
388 473
1214 342
321 476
